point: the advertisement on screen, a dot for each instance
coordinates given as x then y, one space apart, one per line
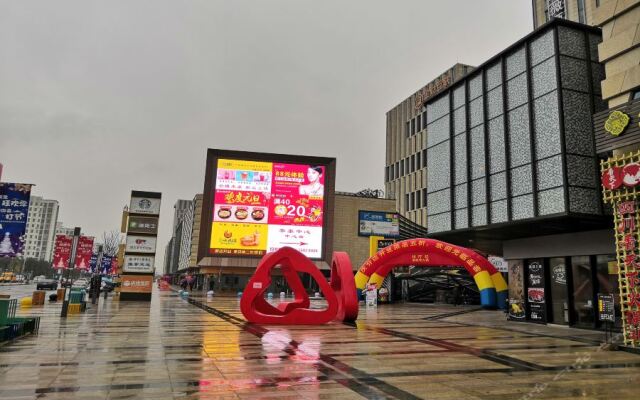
259 207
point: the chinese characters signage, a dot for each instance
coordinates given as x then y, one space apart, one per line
616 123
556 8
84 252
136 283
138 264
620 177
259 207
14 206
438 85
378 223
535 291
140 244
146 225
62 251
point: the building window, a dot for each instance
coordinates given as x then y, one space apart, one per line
413 163
418 160
413 200
397 170
413 126
407 130
406 201
418 203
424 119
582 18
635 95
597 3
419 120
424 197
424 158
401 167
406 165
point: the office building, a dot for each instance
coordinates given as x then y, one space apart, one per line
41 228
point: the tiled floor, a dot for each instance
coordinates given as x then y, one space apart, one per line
171 349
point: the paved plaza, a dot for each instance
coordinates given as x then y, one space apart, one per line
199 349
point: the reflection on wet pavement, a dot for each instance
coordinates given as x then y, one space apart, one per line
200 349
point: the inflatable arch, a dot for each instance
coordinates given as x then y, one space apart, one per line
432 253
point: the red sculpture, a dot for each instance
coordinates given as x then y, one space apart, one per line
344 285
257 310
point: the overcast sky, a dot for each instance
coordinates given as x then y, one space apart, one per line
101 97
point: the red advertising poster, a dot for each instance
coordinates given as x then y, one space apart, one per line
83 252
260 207
62 251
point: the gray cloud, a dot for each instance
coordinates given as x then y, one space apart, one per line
98 98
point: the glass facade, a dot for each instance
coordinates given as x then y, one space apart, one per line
512 140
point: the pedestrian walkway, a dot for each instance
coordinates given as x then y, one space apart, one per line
203 349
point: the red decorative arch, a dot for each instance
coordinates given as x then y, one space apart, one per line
431 253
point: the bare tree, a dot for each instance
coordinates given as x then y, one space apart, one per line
110 241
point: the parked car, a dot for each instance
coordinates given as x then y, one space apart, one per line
39 278
80 284
50 284
107 285
8 277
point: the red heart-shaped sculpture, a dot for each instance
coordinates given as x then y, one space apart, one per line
344 285
257 310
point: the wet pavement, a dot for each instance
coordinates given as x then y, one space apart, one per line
203 349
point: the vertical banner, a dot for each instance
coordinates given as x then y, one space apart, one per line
620 189
106 265
62 252
84 252
536 300
93 262
14 207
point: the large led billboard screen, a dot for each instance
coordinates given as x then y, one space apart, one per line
261 202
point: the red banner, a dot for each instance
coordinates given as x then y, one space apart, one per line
84 252
62 252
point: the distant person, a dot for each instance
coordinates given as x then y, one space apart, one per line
314 188
457 296
183 283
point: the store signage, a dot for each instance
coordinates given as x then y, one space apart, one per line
140 244
616 123
371 295
556 8
378 223
433 88
146 225
84 250
62 251
144 205
623 200
136 283
615 176
535 292
382 243
14 207
500 263
260 207
138 264
606 308
559 274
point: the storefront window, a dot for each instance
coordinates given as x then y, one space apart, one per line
607 274
559 292
583 292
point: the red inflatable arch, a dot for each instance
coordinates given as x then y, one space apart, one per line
435 253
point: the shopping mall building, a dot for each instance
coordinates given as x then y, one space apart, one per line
503 159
